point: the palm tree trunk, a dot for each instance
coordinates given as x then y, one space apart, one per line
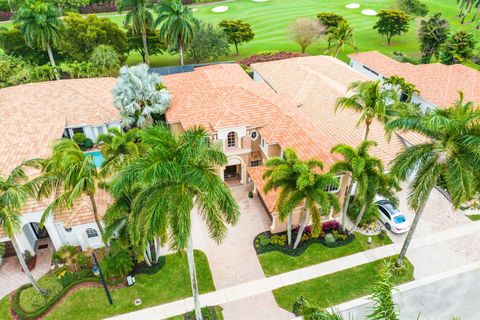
359 219
145 46
97 219
148 261
367 129
337 50
180 51
24 266
156 244
303 223
346 202
289 229
409 237
52 61
461 8
193 279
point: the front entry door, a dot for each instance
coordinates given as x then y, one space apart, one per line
230 172
40 233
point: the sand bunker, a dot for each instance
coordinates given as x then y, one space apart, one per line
352 6
220 9
369 12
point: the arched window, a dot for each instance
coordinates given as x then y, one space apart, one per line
231 139
91 233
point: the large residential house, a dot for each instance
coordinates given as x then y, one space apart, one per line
251 122
32 117
437 83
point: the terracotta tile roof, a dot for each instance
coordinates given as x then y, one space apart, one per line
221 96
437 83
33 116
269 199
314 84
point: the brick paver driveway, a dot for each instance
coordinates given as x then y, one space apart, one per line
234 261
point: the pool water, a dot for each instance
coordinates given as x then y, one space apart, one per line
97 158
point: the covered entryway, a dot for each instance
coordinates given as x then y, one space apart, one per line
234 172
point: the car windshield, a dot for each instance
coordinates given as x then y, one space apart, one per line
400 219
391 209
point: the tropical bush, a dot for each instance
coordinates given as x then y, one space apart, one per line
208 43
370 215
117 263
330 239
105 60
88 143
13 71
79 138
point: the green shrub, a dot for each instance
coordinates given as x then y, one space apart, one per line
279 240
79 138
339 235
370 215
330 239
88 143
61 255
117 263
264 240
31 300
73 277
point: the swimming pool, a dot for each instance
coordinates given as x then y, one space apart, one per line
97 157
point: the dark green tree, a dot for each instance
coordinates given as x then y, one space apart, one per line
392 22
83 35
237 32
13 43
105 60
155 44
13 71
69 5
329 19
459 47
414 8
433 33
208 43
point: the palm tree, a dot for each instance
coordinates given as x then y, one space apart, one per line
384 308
353 162
452 154
309 191
139 96
179 174
281 174
70 174
139 18
14 193
340 36
311 311
40 24
176 24
371 100
118 147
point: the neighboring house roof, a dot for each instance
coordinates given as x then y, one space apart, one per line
438 83
33 116
314 84
222 96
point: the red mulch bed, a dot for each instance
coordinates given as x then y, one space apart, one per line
269 57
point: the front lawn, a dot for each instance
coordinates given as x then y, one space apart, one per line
170 283
338 287
5 309
275 262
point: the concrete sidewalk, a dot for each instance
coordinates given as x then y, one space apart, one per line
260 286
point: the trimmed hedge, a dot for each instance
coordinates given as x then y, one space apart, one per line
265 57
303 245
18 311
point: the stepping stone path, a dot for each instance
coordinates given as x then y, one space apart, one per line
369 12
352 6
220 9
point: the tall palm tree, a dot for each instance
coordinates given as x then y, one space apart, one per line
118 148
139 18
354 161
452 154
405 87
69 174
14 192
41 26
371 100
339 37
281 174
176 24
179 174
310 191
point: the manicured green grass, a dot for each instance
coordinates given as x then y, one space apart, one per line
5 309
275 262
338 287
474 217
169 284
270 21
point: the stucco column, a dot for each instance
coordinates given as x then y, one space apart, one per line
53 234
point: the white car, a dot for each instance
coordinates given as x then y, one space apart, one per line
392 218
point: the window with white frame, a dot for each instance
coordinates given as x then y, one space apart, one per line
254 135
91 233
332 188
208 141
255 163
231 139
